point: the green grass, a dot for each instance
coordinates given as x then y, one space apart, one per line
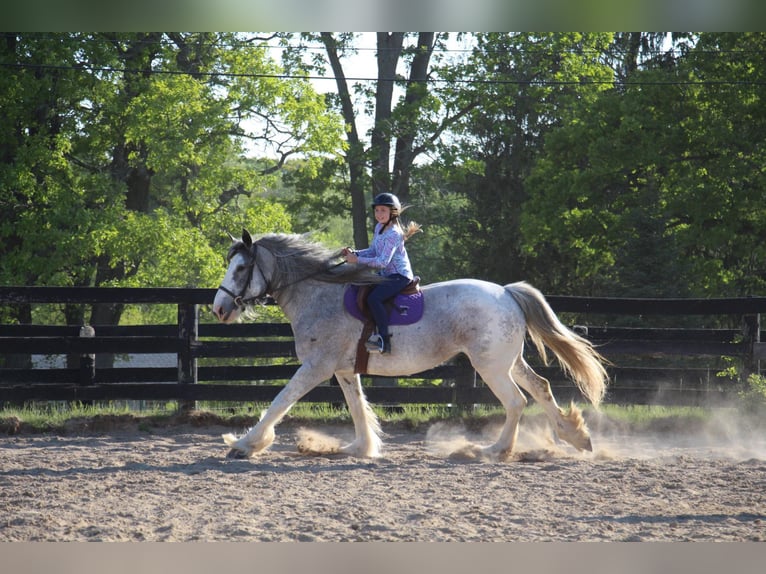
642 415
52 417
64 417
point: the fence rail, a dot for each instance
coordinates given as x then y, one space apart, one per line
663 365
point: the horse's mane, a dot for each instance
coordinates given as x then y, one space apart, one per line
298 258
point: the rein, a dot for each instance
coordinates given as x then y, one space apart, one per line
240 300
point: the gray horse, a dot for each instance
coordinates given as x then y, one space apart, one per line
486 321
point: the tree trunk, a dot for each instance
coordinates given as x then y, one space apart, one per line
389 51
355 158
105 314
417 89
74 315
129 168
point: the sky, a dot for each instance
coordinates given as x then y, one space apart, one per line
360 68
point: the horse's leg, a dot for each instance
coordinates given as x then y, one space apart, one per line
262 434
569 426
367 442
498 379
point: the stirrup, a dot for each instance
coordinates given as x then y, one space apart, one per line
374 343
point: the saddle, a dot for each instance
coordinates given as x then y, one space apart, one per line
405 308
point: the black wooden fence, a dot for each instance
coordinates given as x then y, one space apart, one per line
677 365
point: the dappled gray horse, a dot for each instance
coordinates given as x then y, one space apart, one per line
485 321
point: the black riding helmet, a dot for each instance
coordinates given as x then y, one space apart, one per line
390 200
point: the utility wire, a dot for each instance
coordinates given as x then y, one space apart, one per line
398 79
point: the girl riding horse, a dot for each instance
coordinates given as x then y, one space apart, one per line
388 254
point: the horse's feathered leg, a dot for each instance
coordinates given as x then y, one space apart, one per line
367 442
575 354
261 436
568 426
499 381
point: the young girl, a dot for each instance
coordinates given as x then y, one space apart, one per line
387 254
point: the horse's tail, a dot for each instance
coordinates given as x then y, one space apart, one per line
576 355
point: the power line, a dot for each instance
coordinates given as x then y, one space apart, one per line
401 80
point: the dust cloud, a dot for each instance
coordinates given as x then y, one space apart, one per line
726 434
315 442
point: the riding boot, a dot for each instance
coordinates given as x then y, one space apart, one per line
386 349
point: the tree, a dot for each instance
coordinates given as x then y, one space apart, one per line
410 124
517 88
592 184
657 190
121 156
41 207
718 196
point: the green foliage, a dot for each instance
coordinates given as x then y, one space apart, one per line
449 225
648 417
53 416
592 164
117 178
753 396
531 84
652 192
315 193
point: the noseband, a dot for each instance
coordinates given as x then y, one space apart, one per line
239 300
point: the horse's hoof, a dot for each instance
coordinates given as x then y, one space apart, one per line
236 454
586 445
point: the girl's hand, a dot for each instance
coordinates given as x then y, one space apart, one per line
352 257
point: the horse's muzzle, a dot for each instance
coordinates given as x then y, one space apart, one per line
225 315
220 314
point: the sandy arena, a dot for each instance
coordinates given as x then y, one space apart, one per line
174 484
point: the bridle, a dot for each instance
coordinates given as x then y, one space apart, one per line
239 300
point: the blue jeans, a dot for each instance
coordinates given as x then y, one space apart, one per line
379 294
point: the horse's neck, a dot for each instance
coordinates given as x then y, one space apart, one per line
309 300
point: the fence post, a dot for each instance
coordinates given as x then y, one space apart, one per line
465 383
188 333
751 333
87 362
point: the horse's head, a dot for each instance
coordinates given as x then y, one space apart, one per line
244 281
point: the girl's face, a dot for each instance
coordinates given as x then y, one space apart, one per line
382 214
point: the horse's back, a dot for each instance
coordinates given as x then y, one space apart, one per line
470 316
463 290
469 300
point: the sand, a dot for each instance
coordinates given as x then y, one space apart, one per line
175 484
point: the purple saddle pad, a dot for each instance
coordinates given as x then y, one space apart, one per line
406 309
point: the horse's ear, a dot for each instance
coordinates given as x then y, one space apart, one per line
233 239
246 239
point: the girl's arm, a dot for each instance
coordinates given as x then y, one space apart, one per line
372 249
385 246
